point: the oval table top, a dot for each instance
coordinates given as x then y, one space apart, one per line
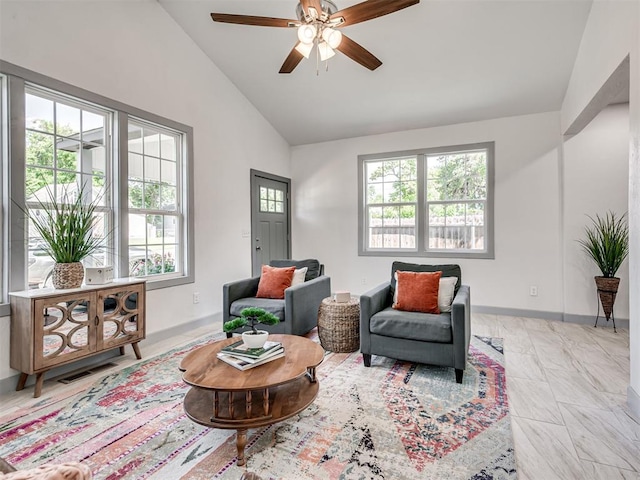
203 369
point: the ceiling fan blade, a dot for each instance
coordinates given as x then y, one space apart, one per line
370 9
311 3
253 20
291 61
358 53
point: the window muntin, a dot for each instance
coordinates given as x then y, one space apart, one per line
155 218
271 200
456 193
66 151
431 202
391 202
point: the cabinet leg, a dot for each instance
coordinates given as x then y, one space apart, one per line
241 442
136 350
21 381
122 350
38 388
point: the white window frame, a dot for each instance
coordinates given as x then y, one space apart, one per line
422 205
107 209
177 209
4 211
18 80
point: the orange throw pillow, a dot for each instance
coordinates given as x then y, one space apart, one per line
417 291
274 281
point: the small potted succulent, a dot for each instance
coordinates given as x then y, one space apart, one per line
253 338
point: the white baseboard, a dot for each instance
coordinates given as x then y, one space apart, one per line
544 315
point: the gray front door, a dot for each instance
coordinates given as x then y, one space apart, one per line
269 219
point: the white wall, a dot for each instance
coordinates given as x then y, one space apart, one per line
609 33
527 199
133 52
596 175
612 33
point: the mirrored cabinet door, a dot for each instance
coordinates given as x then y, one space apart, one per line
120 311
64 330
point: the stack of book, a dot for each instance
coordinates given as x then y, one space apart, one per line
238 355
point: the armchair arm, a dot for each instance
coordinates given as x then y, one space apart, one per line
371 303
233 291
302 301
461 325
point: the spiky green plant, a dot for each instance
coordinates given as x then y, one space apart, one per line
251 316
66 225
607 242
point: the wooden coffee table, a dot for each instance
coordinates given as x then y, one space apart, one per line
225 397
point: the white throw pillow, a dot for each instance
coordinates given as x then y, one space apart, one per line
445 293
298 276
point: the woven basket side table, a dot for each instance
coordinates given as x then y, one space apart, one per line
339 325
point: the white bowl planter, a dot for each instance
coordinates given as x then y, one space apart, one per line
255 341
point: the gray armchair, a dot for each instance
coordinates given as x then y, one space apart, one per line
298 311
416 337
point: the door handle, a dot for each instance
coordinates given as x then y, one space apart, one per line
258 247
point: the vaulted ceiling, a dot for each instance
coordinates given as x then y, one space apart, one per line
444 62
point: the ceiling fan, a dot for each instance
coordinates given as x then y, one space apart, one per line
318 23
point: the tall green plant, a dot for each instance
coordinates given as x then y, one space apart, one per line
66 225
607 242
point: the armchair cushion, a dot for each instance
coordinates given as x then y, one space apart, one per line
274 281
299 276
447 271
313 266
417 291
425 327
271 305
446 293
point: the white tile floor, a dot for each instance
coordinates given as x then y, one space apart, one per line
567 390
567 386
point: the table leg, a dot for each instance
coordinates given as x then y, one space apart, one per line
241 442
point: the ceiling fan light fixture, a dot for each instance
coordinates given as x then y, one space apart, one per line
304 49
332 37
307 33
326 52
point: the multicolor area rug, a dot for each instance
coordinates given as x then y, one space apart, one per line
395 420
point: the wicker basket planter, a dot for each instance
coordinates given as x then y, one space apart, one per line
607 290
339 325
68 275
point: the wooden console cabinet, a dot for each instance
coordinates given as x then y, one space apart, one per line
54 327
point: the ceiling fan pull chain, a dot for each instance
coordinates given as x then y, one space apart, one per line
317 58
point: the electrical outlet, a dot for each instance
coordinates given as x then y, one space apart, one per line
196 297
364 280
533 291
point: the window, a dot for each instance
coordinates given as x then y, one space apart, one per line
136 164
66 151
154 214
271 200
431 202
